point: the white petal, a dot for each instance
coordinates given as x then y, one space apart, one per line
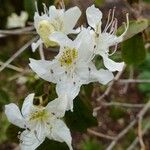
35 45
112 65
61 133
71 17
38 18
58 106
27 105
69 87
47 70
30 141
94 16
14 116
106 40
102 76
60 38
54 13
86 47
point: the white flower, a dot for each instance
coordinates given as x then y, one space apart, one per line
72 67
14 21
107 38
55 20
39 122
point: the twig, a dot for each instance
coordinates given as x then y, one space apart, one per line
119 104
135 142
110 85
140 133
123 132
41 52
17 54
133 81
26 30
131 74
100 134
13 67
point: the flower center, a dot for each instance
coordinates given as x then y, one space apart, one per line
68 57
39 115
45 28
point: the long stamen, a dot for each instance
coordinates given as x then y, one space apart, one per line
114 51
112 19
45 8
126 25
108 19
36 7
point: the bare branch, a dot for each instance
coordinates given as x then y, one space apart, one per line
133 81
26 30
123 132
135 142
24 47
101 135
13 67
111 85
127 105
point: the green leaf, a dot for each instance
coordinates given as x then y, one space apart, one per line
29 6
116 113
99 2
53 145
91 144
81 118
144 87
135 27
133 50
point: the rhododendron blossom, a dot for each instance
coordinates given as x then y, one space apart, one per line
72 67
39 122
55 20
106 38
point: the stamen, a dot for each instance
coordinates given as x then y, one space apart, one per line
112 19
115 49
36 7
45 8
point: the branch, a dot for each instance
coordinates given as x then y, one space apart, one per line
127 105
111 85
133 81
135 142
123 132
24 47
26 30
101 135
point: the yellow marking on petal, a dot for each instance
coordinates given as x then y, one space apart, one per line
68 57
45 28
39 115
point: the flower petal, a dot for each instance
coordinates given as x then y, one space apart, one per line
94 16
14 116
102 76
71 17
61 133
58 106
86 46
35 45
60 38
69 87
112 65
54 13
29 140
27 105
47 70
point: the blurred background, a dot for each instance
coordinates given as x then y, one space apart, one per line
104 117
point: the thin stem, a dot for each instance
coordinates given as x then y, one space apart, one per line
24 47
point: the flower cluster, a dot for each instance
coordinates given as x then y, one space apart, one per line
69 70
